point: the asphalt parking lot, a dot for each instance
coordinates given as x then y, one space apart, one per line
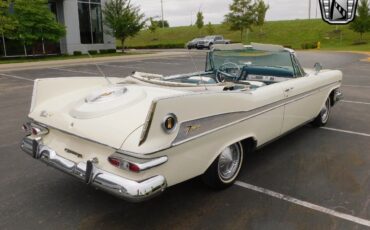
309 179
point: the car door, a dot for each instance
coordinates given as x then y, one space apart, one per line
302 100
218 40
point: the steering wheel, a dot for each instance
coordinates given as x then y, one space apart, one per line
222 75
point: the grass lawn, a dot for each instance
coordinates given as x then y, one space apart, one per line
289 33
11 60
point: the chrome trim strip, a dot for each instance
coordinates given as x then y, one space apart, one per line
143 164
221 121
148 123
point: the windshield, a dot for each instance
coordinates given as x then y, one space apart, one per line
209 37
250 57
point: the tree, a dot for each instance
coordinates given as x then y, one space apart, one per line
261 9
210 28
153 25
7 22
124 19
361 24
163 24
36 23
242 16
200 20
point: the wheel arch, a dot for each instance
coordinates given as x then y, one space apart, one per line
248 143
331 95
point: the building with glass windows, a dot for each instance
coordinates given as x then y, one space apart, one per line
83 20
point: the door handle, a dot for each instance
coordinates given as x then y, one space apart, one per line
289 89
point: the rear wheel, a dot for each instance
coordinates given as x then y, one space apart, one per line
323 118
225 169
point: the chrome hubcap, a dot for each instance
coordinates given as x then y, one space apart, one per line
229 162
325 112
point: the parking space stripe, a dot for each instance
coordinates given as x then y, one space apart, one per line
357 86
357 102
159 62
305 204
346 131
118 66
74 71
16 77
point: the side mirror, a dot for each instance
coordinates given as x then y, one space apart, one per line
318 68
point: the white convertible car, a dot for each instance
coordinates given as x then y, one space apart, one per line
135 136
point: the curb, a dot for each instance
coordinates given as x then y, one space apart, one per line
73 62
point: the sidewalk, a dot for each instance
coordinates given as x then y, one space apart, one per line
86 60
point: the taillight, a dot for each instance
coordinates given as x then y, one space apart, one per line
123 164
134 164
26 127
35 129
134 168
115 162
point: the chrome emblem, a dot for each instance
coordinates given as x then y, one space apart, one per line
192 128
73 153
338 12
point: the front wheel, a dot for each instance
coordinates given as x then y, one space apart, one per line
225 169
323 118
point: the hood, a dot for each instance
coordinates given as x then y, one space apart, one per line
107 115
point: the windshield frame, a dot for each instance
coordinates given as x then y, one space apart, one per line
290 61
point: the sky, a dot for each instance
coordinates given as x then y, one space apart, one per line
183 12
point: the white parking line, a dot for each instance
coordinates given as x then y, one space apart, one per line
356 102
315 207
16 77
74 71
357 86
119 66
159 62
346 131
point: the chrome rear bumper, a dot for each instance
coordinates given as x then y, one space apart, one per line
89 173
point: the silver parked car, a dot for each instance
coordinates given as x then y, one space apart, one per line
209 41
193 44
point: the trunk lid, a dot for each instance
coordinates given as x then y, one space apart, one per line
107 115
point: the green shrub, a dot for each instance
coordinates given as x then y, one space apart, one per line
111 51
108 51
357 43
92 52
309 45
77 53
